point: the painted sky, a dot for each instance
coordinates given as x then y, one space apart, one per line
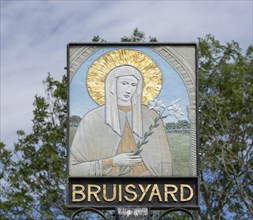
34 35
173 87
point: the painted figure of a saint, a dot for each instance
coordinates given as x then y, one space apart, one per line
106 140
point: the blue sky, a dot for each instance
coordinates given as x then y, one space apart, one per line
34 36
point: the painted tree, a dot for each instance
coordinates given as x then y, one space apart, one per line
33 172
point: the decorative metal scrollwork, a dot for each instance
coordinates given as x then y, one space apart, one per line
98 212
177 209
95 211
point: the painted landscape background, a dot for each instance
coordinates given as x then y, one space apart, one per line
179 140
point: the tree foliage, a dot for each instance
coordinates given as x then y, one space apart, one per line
33 172
137 36
226 130
33 176
182 126
74 120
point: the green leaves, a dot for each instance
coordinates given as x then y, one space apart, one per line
35 171
137 36
225 88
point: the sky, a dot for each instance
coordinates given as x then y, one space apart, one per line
34 36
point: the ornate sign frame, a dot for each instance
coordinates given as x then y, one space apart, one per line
132 125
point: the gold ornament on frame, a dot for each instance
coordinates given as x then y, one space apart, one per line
103 65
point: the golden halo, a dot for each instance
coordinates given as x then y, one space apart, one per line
104 64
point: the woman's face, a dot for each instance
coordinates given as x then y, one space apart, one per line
126 87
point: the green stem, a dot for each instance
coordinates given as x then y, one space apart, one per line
144 141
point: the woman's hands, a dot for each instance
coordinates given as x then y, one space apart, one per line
126 159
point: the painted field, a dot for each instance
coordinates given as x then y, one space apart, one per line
180 144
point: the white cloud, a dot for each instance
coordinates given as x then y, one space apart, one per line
34 35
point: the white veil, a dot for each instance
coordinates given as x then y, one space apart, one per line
111 106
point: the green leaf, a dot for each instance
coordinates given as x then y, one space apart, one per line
138 151
156 125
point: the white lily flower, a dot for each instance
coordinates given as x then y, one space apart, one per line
178 113
171 109
175 102
156 105
174 109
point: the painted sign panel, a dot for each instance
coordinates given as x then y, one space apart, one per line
132 112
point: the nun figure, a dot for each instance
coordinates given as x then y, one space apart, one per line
105 141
